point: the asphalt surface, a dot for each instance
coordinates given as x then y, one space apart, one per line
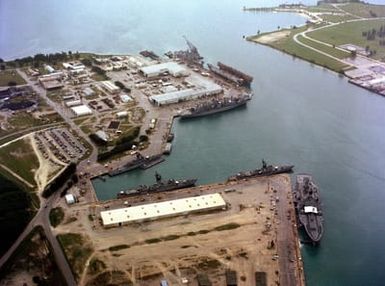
42 219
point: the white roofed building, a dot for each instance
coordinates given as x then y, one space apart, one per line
174 69
70 199
81 110
110 87
163 209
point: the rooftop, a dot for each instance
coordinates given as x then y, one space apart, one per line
162 209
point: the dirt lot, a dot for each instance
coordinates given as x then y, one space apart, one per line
242 238
272 37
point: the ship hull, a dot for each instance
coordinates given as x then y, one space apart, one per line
269 171
214 111
158 188
144 163
308 207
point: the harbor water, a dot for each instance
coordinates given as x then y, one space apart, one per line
300 114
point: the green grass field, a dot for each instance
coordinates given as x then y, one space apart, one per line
336 18
21 159
329 50
289 46
9 76
351 33
364 10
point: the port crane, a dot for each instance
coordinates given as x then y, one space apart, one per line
191 55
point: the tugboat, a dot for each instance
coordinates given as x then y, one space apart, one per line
307 203
216 106
160 186
266 170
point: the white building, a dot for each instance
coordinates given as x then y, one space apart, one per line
102 135
88 91
172 68
73 103
81 110
125 98
70 199
110 87
122 114
162 209
198 87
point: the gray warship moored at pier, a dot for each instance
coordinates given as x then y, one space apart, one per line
307 203
216 106
266 170
139 162
160 186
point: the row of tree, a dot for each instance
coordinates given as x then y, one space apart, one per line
39 59
371 34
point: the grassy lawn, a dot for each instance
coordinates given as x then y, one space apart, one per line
289 46
77 251
364 10
8 76
336 18
329 50
351 33
21 159
321 8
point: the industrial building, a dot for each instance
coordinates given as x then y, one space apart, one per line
183 95
197 87
88 91
172 68
52 80
70 199
163 209
72 103
125 98
102 135
122 114
81 110
110 87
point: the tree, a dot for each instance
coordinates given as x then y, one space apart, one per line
1 60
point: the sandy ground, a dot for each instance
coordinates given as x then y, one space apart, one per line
244 249
272 37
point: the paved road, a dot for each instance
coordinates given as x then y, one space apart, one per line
42 218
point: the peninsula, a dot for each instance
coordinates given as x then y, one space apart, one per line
348 38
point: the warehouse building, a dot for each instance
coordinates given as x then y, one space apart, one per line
110 87
73 103
163 209
81 110
171 68
183 95
197 87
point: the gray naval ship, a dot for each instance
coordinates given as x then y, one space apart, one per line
266 170
215 106
160 186
307 203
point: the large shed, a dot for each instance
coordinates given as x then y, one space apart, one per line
81 110
110 87
173 68
162 209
